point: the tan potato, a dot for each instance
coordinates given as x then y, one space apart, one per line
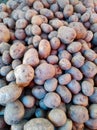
46 28
15 63
4 47
68 10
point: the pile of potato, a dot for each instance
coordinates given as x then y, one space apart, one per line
48 65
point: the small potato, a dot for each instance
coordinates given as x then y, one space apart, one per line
57 117
6 58
89 36
10 76
78 126
13 92
28 30
28 101
64 64
64 79
15 63
39 113
59 15
9 22
66 34
50 84
38 123
92 124
30 13
64 93
74 86
20 34
2 83
80 8
56 23
36 30
47 12
58 70
37 20
44 48
17 13
21 23
45 71
78 60
68 11
52 100
81 31
78 114
18 126
66 126
55 43
16 114
90 55
73 18
94 27
93 111
45 3
85 17
38 92
12 4
4 47
4 30
37 5
62 3
93 18
52 34
74 47
46 28
80 99
3 7
51 1
93 97
52 59
31 57
54 7
24 75
17 50
76 73
87 88
89 69
64 54
36 40
5 70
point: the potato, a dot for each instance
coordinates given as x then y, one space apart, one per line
68 10
62 3
66 34
47 12
59 15
21 23
74 47
17 13
64 64
38 92
15 63
44 48
20 34
89 69
73 18
80 8
52 100
52 59
93 18
52 34
14 112
5 70
17 50
93 97
46 28
64 79
37 5
93 111
80 99
4 47
18 126
4 30
37 20
58 70
6 58
66 126
55 43
87 88
3 7
79 28
31 57
13 92
64 54
36 30
78 114
57 117
54 6
38 123
56 23
64 93
10 76
78 126
30 13
2 83
28 101
76 73
24 75
91 123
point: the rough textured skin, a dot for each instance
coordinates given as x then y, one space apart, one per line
38 124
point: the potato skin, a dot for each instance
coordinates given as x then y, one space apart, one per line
91 123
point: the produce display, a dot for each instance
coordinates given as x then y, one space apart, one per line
48 65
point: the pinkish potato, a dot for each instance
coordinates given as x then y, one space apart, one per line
15 63
59 119
62 3
64 54
81 31
17 50
64 93
4 47
47 12
80 8
10 76
93 18
13 92
52 59
58 70
20 34
93 97
30 13
93 111
92 124
74 86
46 28
5 70
37 20
14 112
55 43
36 30
31 57
68 11
44 48
37 5
56 23
59 15
9 22
4 30
64 64
36 40
6 58
45 71
85 17
21 23
24 75
66 34
54 7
